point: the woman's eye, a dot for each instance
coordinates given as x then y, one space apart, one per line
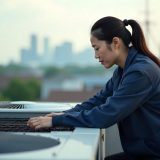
96 49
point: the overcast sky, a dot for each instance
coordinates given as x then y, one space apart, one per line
65 20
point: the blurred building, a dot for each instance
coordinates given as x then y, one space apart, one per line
70 96
73 89
61 55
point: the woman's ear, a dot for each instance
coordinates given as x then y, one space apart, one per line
116 42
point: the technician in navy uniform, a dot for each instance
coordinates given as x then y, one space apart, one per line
131 98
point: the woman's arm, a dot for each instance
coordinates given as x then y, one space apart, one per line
96 100
132 93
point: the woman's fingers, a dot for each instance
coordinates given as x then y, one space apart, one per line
32 122
40 122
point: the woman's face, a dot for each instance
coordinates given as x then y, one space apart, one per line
104 52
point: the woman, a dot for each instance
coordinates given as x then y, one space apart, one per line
131 98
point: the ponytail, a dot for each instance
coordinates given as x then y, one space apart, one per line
138 40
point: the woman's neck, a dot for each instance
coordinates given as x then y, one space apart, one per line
123 56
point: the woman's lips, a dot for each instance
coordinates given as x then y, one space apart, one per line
101 62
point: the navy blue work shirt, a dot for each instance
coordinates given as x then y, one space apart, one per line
131 98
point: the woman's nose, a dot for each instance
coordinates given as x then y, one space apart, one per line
96 56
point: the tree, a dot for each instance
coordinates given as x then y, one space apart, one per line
19 90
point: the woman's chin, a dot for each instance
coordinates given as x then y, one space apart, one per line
107 65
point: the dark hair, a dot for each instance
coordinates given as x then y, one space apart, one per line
109 27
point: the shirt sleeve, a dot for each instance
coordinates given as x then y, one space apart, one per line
96 100
132 93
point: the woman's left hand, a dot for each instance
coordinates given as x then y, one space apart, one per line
40 122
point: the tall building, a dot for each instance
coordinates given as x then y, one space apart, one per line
25 56
33 45
63 54
46 58
30 56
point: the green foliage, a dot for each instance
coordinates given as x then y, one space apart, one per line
2 69
51 71
2 98
72 70
19 89
13 69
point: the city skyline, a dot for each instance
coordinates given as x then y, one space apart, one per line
60 55
63 20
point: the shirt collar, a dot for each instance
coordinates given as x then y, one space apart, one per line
131 55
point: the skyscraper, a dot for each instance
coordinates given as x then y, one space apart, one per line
33 49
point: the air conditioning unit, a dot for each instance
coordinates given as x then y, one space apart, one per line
17 142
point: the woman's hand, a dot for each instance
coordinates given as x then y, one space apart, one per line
40 122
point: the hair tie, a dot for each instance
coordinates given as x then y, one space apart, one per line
125 22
